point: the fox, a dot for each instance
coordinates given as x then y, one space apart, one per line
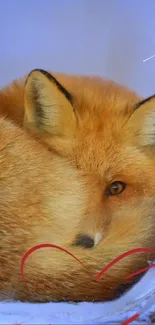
78 171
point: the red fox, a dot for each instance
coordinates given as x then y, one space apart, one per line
85 181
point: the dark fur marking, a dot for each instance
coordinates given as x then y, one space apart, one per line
143 102
123 288
38 107
84 241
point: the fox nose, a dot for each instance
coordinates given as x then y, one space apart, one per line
84 241
87 241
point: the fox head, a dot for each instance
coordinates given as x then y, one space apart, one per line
108 133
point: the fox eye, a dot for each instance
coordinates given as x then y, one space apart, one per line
115 188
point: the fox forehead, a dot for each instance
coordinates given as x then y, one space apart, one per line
109 158
103 108
97 95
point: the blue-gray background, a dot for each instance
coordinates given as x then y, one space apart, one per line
110 38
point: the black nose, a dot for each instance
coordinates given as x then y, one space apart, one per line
84 241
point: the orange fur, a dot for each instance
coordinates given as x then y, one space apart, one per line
53 196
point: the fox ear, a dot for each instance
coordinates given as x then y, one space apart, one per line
142 122
48 106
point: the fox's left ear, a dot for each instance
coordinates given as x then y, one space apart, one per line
142 122
48 106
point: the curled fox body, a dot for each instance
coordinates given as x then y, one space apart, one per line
85 181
